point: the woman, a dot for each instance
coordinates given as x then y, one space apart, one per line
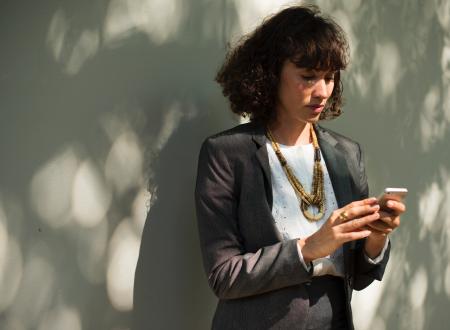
287 230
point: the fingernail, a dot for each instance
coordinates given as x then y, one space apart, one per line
372 199
389 203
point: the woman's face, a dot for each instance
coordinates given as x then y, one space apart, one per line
302 93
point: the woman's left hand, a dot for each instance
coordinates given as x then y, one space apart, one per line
389 219
388 222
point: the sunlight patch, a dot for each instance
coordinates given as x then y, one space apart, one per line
418 288
429 206
387 57
86 47
71 55
432 125
171 120
124 163
252 12
56 33
91 198
159 19
365 304
10 264
51 188
124 252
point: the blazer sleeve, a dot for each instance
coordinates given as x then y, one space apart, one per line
364 271
232 271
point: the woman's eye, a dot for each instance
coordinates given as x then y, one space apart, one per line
309 78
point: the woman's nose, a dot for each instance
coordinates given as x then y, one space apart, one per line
320 89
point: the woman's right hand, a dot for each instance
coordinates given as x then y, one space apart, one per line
345 224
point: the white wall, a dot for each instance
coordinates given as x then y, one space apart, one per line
103 106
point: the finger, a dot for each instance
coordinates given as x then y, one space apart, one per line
380 227
392 220
380 233
355 235
359 211
386 214
388 217
357 224
375 231
342 214
367 201
395 207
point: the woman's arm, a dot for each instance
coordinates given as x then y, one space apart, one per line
232 271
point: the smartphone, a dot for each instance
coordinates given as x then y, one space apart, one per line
396 194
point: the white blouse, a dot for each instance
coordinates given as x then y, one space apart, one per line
289 219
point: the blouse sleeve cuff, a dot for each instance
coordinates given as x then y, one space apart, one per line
300 256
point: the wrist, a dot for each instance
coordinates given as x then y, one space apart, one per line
374 245
307 258
376 237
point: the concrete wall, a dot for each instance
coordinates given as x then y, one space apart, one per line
103 106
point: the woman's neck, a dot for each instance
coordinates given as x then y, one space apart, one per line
291 134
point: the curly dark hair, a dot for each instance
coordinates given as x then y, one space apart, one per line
250 74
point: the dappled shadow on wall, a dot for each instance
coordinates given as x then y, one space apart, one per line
122 103
114 95
83 249
84 240
159 20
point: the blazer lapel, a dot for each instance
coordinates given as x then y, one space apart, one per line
259 137
336 165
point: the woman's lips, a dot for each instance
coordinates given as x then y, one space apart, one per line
316 108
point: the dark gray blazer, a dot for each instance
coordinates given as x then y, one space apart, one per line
258 277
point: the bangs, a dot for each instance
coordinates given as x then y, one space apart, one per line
323 47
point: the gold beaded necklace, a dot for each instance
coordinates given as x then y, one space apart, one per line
317 196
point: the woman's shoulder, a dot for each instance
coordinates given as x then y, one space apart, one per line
235 144
333 136
241 131
239 135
